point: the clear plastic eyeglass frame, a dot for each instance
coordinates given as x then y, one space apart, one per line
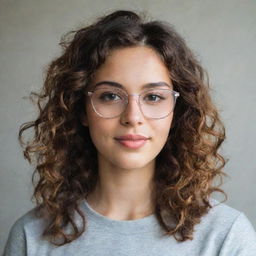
137 96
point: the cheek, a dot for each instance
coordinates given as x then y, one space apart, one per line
97 128
164 125
101 130
162 129
98 135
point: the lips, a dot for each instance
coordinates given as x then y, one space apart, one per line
132 137
132 140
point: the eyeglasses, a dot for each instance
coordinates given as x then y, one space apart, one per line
111 102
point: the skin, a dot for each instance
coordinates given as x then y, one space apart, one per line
124 189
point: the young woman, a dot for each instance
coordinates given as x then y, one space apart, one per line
126 150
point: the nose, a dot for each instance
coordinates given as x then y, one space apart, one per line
132 114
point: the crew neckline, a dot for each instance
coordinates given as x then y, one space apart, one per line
145 224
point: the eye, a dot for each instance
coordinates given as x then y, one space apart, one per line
109 96
154 97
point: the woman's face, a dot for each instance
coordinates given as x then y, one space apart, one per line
132 67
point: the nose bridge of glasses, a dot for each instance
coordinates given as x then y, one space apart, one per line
129 107
132 95
135 95
129 98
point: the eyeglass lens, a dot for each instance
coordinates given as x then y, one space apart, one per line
154 103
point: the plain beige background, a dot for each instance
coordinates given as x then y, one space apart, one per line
222 33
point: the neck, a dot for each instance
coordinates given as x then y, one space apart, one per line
123 193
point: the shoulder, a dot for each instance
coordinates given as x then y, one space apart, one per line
222 215
231 228
218 220
27 221
26 225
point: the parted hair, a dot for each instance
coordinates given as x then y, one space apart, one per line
65 158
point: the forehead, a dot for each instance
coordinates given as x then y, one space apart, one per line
132 67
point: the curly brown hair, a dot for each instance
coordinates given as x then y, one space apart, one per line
65 157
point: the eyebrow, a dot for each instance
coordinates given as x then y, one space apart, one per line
145 86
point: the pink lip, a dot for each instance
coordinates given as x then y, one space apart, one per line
132 143
131 137
132 140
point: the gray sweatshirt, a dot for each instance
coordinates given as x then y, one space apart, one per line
224 231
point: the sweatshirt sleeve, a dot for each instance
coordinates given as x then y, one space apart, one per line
16 241
241 239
